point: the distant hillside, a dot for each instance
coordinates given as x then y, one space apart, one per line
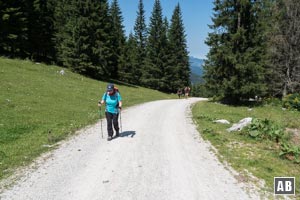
196 66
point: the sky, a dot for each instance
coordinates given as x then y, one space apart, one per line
196 16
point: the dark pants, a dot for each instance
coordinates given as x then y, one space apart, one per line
112 119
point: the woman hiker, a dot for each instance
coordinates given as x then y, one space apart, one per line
113 101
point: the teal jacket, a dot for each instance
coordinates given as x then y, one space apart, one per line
112 102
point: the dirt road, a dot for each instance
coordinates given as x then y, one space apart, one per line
159 156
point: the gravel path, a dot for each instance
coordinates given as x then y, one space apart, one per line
158 156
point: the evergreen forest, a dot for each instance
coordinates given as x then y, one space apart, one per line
254 46
254 50
88 37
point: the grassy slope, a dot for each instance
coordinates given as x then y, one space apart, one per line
244 153
36 99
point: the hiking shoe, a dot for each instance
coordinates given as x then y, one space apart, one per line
109 138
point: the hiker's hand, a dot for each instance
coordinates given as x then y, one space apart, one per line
99 103
120 107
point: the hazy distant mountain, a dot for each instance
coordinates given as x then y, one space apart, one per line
196 66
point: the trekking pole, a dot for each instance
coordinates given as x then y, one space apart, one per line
120 119
100 111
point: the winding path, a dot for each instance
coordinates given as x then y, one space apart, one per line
159 156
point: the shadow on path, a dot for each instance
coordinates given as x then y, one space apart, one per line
127 134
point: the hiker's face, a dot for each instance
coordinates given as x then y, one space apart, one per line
110 92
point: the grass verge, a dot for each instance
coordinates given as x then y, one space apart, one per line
258 156
39 107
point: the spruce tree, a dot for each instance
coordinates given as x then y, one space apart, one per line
14 28
234 69
103 48
167 68
129 70
154 70
285 43
118 38
64 23
83 37
40 30
83 34
179 74
74 49
140 34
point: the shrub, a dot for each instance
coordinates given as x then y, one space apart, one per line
265 129
290 152
272 101
292 101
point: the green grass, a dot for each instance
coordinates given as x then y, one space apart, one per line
260 157
39 107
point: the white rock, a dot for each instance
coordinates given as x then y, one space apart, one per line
62 72
239 126
222 121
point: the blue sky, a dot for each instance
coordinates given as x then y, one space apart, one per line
196 17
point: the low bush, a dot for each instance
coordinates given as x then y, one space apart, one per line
265 129
290 152
292 101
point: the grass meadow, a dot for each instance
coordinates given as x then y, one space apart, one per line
246 154
39 107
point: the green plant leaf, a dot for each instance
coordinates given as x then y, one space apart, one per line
254 133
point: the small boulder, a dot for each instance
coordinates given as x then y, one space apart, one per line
242 123
62 72
222 121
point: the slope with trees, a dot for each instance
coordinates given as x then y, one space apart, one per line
88 37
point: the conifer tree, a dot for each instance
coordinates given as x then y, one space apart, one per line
103 47
234 69
63 23
83 34
74 48
285 43
118 38
129 71
13 28
179 74
40 30
167 68
154 70
84 38
140 34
